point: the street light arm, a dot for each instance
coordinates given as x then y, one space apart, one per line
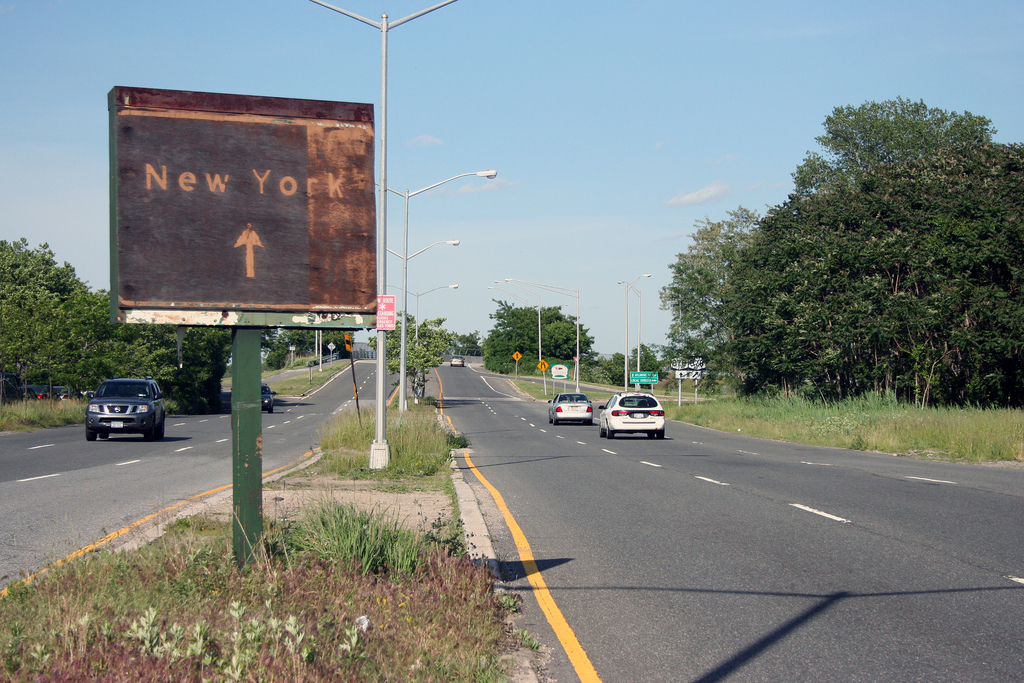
483 174
521 298
376 24
435 289
399 22
551 288
629 285
454 243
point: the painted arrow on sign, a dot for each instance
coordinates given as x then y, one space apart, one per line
249 239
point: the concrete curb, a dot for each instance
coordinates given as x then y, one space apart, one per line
478 538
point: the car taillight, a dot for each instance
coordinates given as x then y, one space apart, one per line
558 409
590 409
656 413
620 413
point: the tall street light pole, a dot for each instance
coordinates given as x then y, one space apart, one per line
567 292
403 403
625 357
380 451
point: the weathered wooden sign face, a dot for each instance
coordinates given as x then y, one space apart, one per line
237 210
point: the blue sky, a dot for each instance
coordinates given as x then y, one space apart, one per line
613 125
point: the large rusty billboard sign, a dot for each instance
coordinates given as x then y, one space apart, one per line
241 211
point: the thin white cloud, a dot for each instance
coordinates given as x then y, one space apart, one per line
765 186
426 141
706 194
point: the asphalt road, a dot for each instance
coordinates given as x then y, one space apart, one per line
712 557
59 493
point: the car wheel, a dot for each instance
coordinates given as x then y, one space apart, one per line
149 434
550 420
611 433
90 435
270 409
651 435
160 431
661 434
601 433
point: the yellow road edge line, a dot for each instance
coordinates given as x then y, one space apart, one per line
123 530
577 655
566 636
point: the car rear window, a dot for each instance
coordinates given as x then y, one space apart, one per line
638 402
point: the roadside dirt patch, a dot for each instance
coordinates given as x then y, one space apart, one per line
286 498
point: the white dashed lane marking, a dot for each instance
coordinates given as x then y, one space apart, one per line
933 481
45 476
819 512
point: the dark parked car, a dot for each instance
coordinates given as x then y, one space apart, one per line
268 398
37 391
10 388
126 406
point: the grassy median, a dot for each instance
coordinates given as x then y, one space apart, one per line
337 594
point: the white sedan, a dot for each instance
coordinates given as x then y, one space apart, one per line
632 412
570 408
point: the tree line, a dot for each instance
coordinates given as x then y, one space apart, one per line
895 267
54 331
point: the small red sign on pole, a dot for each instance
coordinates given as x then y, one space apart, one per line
386 315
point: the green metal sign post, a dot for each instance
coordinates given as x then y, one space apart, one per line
247 442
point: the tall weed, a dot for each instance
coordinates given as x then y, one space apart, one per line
420 445
376 541
27 415
871 422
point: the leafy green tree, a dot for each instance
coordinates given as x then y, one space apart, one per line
278 343
909 281
515 329
37 304
426 346
606 370
468 344
54 331
699 329
858 139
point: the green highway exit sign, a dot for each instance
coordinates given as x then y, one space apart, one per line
643 378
